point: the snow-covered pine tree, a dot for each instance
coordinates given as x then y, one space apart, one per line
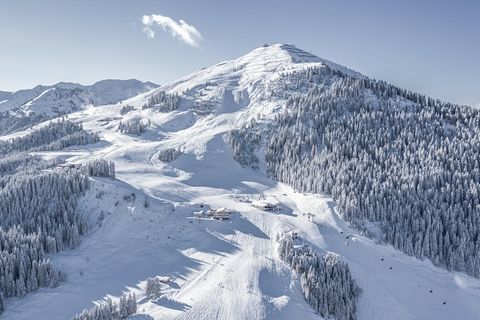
134 126
169 155
326 281
244 143
99 168
54 136
163 102
126 109
110 310
154 288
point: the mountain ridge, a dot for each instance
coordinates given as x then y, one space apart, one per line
116 90
27 107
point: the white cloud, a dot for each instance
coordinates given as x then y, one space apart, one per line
181 30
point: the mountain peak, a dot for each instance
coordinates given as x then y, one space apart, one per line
267 61
299 56
295 54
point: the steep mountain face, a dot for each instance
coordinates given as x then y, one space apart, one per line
340 156
30 106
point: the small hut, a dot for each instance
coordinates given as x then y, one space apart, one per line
219 214
265 206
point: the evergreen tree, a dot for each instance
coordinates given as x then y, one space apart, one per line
109 310
326 282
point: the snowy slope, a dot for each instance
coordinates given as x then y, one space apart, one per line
231 269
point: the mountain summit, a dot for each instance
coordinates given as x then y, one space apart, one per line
258 64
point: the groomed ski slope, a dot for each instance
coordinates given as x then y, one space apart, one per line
229 269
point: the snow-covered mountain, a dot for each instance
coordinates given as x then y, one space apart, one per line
65 97
271 127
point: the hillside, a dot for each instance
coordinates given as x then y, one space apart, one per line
278 126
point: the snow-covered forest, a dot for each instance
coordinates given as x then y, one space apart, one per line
99 168
244 143
10 122
38 206
54 136
110 310
38 215
126 109
399 159
326 281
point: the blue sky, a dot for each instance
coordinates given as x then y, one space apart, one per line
429 46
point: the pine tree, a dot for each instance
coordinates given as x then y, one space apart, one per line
326 282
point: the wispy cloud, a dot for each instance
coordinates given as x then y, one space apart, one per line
181 30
